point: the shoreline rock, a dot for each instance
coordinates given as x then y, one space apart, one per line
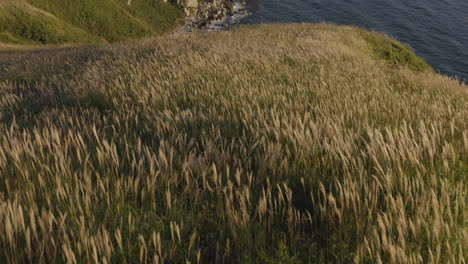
201 13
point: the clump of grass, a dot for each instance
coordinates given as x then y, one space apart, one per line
231 148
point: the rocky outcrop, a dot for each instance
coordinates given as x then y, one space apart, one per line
200 13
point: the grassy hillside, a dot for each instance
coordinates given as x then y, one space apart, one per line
21 23
83 21
269 144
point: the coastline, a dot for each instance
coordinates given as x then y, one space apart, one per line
211 16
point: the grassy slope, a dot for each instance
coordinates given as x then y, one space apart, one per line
82 21
21 23
277 144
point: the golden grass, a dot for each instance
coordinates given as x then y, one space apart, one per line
268 144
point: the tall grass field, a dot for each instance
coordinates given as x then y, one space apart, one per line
266 144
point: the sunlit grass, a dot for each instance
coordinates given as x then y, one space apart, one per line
268 144
56 22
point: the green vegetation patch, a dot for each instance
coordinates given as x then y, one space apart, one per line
394 52
159 15
83 21
22 24
114 20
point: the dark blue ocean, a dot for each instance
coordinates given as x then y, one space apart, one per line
436 29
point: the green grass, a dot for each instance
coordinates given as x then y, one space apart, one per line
394 52
21 24
264 144
158 15
83 21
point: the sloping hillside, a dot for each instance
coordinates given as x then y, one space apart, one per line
269 144
83 21
22 23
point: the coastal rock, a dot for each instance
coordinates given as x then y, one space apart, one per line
200 13
192 3
188 6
